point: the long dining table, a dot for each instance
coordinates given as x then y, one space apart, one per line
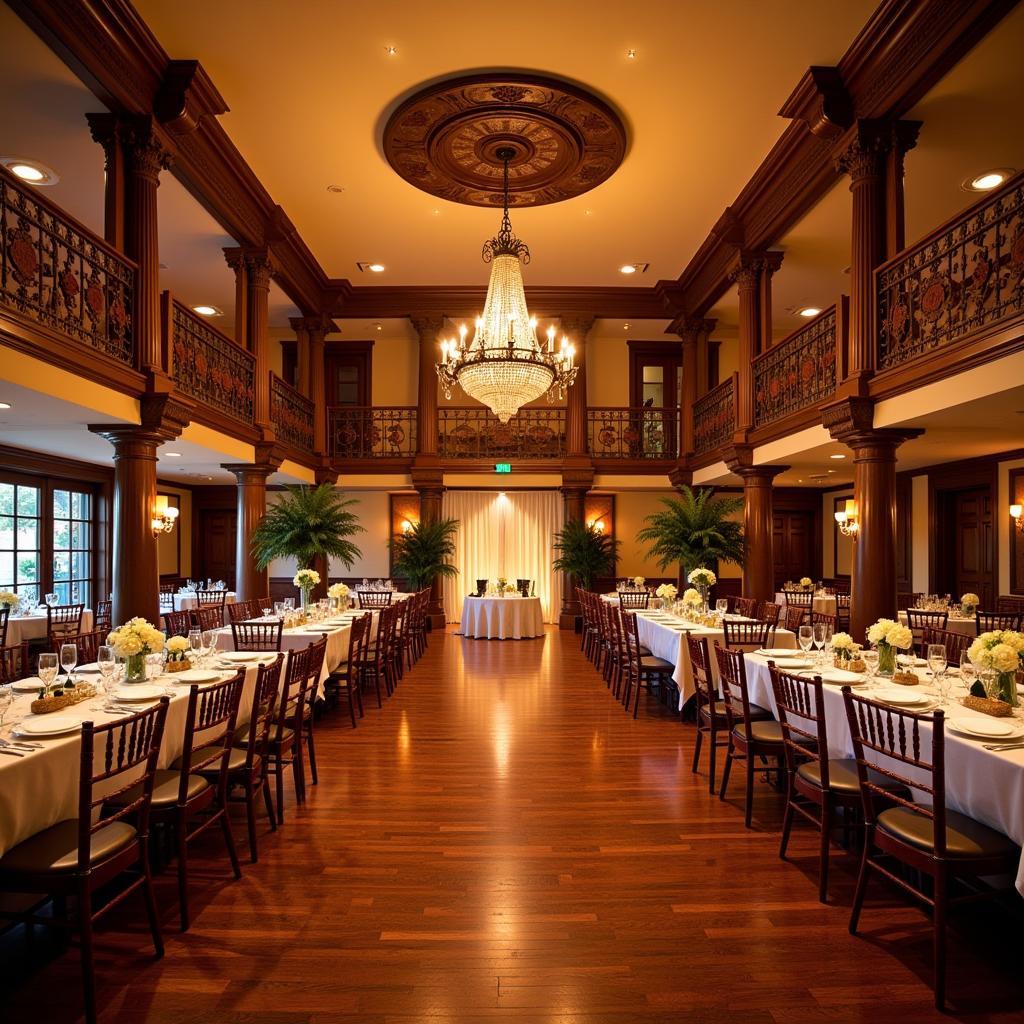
987 785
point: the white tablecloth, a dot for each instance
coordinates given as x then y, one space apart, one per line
955 625
339 637
502 618
825 605
41 788
186 601
30 627
985 784
666 639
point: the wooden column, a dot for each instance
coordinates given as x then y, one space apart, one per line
429 484
237 263
747 275
312 332
903 137
758 522
250 581
764 303
106 130
693 331
259 268
576 446
575 484
298 325
428 328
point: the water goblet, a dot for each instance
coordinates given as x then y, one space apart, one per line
68 660
195 642
107 662
805 637
52 600
936 657
209 642
870 657
47 668
722 605
968 671
265 612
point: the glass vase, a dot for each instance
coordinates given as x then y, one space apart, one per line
135 668
886 660
305 599
1007 688
704 591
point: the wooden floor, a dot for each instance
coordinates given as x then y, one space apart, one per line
502 843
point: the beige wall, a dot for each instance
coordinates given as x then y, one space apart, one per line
396 368
181 536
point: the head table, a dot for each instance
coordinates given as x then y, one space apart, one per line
512 617
33 627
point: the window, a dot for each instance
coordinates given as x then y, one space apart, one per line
20 539
72 546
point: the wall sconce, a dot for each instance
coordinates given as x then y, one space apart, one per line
847 520
596 524
164 515
1017 514
406 526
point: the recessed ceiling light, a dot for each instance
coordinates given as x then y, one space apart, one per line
5 405
31 171
634 268
173 455
376 268
987 180
631 54
837 456
391 51
379 326
207 310
625 326
808 311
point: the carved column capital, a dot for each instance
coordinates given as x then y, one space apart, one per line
316 325
691 328
748 267
146 153
740 461
106 129
862 154
256 262
903 135
427 327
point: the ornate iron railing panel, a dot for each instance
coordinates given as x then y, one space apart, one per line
372 432
291 414
633 433
714 417
476 433
55 272
965 276
797 373
209 367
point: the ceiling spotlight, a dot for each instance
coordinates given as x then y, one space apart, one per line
31 171
5 405
634 268
808 311
625 326
837 456
376 268
173 455
631 54
207 311
379 326
987 180
391 51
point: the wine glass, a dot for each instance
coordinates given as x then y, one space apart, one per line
69 659
106 660
195 643
6 700
52 600
936 656
805 637
47 668
870 658
265 612
722 606
209 642
818 634
968 671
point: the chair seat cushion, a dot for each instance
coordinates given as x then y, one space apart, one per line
757 713
651 664
56 848
965 837
200 754
165 789
842 776
761 731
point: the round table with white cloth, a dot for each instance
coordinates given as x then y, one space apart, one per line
954 624
824 604
187 600
502 618
33 627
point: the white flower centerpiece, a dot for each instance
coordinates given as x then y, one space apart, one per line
844 649
132 642
889 636
177 648
338 593
667 592
703 579
806 582
306 580
639 581
1000 651
9 599
969 603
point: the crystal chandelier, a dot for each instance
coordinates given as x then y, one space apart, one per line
504 366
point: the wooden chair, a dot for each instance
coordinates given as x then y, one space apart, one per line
400 644
177 623
88 644
614 650
317 653
754 635
374 598
64 620
956 643
211 598
985 622
799 599
5 615
767 611
907 600
919 620
827 620
749 737
374 665
104 616
15 662
921 834
242 611
642 671
257 636
795 617
746 606
635 599
843 611
80 856
344 678
417 627
208 617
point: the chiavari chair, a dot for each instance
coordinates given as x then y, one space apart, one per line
747 634
420 632
345 677
374 598
616 656
955 643
585 614
104 616
985 622
919 620
15 662
746 606
795 616
177 623
906 600
64 620
634 599
297 700
257 636
750 738
843 611
166 601
642 671
920 833
400 644
242 611
825 619
767 611
80 856
208 617
211 598
88 644
799 598
373 666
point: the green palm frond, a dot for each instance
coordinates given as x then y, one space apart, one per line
308 522
694 530
422 554
585 553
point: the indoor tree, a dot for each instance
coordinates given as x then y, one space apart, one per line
585 553
421 554
696 529
309 524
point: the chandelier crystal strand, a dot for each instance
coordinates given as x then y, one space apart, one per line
504 366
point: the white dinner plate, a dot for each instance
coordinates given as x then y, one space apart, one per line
907 659
840 677
31 685
197 675
91 669
778 652
48 725
138 692
899 695
239 656
988 729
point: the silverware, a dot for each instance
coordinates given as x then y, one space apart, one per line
13 753
23 746
1003 746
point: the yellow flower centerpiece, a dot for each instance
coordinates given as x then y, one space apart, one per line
889 636
338 593
1000 651
132 642
306 580
177 648
969 603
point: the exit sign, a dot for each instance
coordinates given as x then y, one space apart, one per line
503 467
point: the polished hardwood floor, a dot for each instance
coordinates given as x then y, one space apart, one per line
502 843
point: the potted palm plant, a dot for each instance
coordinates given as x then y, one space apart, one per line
309 524
421 554
694 530
585 553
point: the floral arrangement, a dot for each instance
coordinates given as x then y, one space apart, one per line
639 581
667 592
844 648
1001 651
970 602
889 635
509 588
338 591
691 596
177 647
702 577
806 581
306 579
136 636
9 598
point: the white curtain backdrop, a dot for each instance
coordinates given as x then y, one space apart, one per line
510 535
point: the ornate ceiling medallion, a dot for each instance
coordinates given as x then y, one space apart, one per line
446 139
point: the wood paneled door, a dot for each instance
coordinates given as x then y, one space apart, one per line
793 548
967 551
216 544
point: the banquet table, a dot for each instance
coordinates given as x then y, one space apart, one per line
954 624
32 627
186 600
987 785
826 604
655 602
502 618
41 788
665 637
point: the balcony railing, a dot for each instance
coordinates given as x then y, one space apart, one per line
798 373
55 272
959 279
476 433
209 367
291 413
636 433
372 432
714 417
